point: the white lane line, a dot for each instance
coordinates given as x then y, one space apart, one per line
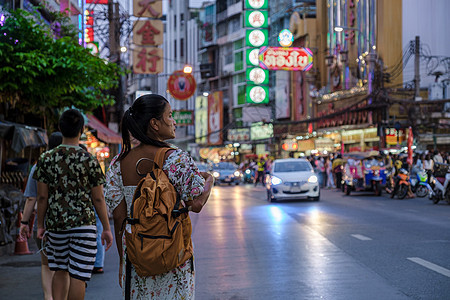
361 237
431 266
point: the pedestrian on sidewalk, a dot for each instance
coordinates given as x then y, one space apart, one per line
150 121
30 193
70 185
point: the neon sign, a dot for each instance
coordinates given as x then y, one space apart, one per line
291 59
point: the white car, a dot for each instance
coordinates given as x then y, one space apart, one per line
292 178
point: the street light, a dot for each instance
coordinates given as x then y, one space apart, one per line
187 69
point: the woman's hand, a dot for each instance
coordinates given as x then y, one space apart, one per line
198 203
195 206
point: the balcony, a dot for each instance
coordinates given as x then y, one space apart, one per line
234 9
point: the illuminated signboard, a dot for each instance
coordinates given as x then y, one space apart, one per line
291 59
259 131
183 117
256 4
257 94
285 38
256 19
258 75
252 56
257 37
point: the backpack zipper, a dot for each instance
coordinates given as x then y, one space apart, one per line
154 237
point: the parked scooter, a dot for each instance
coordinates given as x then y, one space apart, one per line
440 184
419 184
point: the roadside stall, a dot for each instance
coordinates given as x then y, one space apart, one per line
20 146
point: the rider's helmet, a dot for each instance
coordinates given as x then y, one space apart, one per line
398 164
403 171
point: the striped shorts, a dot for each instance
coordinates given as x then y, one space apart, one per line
73 250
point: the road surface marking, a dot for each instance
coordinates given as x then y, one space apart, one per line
361 237
431 266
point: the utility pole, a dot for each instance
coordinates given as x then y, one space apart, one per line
417 69
185 50
114 56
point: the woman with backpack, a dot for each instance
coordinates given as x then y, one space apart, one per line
150 123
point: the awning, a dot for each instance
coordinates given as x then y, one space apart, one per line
23 136
103 133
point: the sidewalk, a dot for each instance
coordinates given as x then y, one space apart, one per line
21 276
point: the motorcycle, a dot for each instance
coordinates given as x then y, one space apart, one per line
249 175
440 184
403 184
419 184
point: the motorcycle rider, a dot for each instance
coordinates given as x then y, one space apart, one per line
398 166
395 171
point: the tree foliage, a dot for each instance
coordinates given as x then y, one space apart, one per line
42 65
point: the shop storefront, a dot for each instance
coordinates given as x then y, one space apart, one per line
360 140
102 142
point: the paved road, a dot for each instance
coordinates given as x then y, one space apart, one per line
343 247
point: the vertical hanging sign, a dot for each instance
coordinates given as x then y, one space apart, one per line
256 36
147 36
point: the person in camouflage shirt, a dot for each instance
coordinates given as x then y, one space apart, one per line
70 185
71 172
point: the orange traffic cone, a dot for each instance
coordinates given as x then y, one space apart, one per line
21 246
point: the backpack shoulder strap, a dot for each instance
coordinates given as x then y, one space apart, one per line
160 156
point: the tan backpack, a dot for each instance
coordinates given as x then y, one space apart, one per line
160 238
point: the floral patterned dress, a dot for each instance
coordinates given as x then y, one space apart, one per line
185 177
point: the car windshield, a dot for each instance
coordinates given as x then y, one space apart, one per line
225 166
202 167
292 166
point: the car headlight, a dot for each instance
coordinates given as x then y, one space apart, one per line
216 174
247 171
312 179
237 173
275 180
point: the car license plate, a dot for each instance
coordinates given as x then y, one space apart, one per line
227 179
295 187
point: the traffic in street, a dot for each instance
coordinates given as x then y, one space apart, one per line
359 246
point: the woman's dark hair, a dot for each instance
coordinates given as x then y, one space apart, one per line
136 120
71 123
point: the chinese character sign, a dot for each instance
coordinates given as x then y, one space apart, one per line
147 60
147 8
148 33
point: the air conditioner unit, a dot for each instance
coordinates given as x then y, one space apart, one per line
436 91
207 71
